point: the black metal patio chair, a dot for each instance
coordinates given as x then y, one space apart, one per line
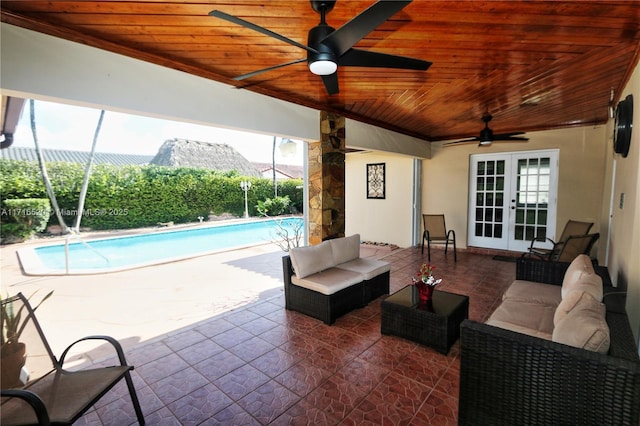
36 388
435 231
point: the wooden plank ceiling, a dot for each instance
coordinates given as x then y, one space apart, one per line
533 65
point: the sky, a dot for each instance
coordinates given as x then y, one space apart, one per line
60 126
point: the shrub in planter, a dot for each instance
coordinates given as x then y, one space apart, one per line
274 206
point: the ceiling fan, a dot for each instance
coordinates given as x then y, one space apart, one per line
328 48
487 137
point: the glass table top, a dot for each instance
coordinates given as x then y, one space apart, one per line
442 302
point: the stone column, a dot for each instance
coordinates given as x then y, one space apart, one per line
326 180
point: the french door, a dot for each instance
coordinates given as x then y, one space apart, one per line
512 198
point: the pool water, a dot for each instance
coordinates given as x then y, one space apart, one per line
120 253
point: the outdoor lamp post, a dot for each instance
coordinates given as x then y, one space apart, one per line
245 185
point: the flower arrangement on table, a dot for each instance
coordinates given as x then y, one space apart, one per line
425 282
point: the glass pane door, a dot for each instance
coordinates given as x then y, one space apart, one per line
532 198
489 212
512 198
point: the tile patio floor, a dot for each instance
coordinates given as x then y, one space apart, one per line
261 364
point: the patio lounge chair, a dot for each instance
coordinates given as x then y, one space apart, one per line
435 231
36 389
575 245
572 227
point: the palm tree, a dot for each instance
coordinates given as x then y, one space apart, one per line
87 173
43 168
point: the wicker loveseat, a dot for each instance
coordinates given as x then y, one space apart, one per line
511 378
330 279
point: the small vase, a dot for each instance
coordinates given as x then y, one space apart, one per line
425 291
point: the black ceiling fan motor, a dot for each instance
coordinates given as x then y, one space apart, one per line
319 33
329 48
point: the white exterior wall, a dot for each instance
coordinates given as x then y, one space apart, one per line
624 242
381 221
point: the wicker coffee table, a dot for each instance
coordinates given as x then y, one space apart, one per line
435 324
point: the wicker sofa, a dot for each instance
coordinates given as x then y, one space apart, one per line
330 279
508 377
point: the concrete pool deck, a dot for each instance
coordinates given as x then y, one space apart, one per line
138 305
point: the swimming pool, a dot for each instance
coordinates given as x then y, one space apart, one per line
133 251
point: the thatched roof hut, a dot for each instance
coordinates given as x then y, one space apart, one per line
188 153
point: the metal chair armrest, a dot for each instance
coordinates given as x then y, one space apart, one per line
116 345
33 400
541 239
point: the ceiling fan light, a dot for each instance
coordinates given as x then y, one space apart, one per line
486 136
323 67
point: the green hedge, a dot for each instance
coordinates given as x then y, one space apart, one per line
20 219
138 196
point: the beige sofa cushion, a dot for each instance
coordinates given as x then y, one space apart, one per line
569 303
311 259
584 327
345 249
579 266
590 283
369 268
328 281
528 291
534 319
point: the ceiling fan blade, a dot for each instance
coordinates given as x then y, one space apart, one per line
261 30
461 142
254 73
345 37
510 137
331 83
515 139
364 58
506 135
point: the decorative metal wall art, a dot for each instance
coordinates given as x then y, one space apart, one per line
375 180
